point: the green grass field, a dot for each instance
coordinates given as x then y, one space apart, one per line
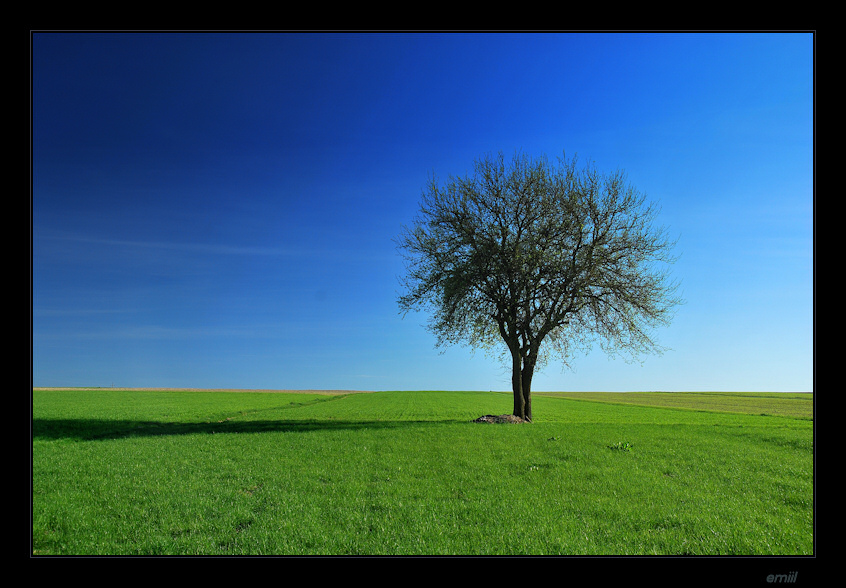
232 473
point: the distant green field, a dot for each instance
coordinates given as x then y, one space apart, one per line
243 473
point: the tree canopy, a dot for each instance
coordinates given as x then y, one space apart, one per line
522 253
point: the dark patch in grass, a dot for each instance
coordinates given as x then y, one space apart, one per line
95 429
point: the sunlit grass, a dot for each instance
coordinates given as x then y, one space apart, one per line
409 473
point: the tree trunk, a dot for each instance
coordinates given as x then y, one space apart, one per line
517 384
522 370
526 385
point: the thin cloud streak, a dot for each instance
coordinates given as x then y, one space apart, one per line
158 333
176 246
336 253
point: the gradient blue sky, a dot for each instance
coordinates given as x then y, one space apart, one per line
217 210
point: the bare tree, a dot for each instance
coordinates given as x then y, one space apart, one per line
528 253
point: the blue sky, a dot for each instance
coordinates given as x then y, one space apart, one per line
218 210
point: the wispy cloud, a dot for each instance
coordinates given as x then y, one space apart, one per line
329 251
160 333
203 248
78 312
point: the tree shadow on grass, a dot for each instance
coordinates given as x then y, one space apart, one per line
101 429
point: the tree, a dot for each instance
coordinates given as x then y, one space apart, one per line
544 259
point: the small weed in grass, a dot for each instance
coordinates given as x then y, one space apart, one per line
621 446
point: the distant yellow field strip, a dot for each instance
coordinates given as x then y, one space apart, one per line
794 405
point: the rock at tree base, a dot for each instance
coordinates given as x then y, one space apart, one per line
503 418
